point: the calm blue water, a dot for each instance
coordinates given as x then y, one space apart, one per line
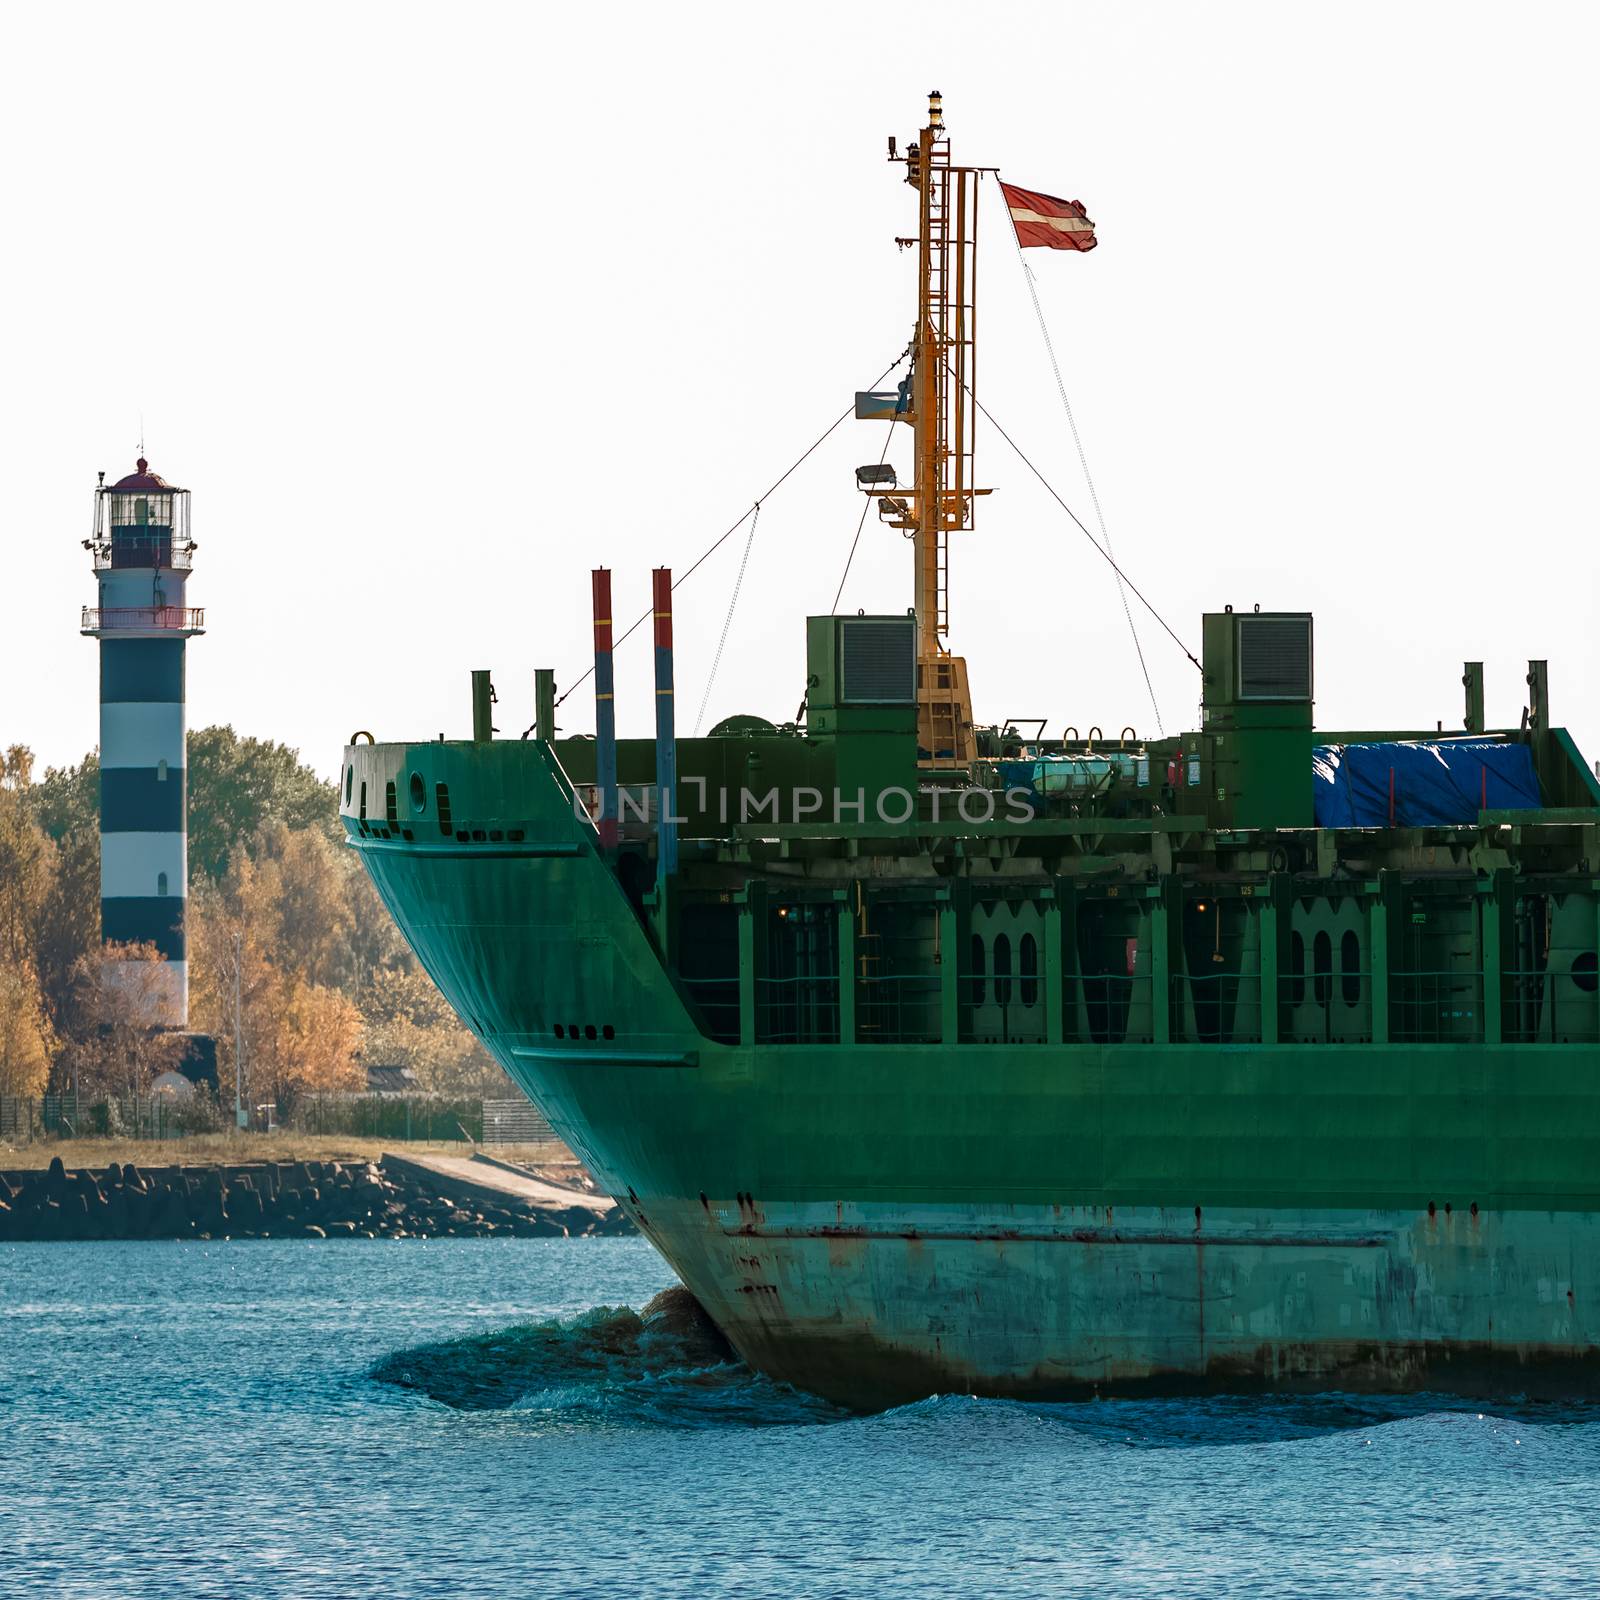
260 1419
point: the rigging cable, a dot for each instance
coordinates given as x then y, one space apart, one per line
728 533
1083 461
1104 554
866 505
727 621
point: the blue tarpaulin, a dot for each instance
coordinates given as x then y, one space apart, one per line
1437 783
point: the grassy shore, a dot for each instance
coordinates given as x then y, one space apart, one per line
234 1148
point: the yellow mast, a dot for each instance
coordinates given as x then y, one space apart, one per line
942 496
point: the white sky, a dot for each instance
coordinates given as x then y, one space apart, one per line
434 308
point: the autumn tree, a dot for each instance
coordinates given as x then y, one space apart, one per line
27 1041
235 990
315 1044
237 785
295 889
234 785
410 1024
114 1050
298 1038
67 799
67 927
273 951
28 880
27 859
311 903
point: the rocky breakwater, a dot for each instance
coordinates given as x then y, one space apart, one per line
303 1199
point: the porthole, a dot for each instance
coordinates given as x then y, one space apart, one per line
1584 972
419 794
161 883
349 778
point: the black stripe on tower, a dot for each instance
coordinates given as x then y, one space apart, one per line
147 670
145 919
141 800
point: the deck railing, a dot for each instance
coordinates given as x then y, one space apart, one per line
1109 1008
1436 1007
143 550
1547 1005
1225 1007
1329 1007
899 1008
717 1002
795 1010
801 1010
180 619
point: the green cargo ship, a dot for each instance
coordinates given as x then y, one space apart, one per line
943 1057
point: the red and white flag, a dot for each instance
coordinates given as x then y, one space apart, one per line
1044 220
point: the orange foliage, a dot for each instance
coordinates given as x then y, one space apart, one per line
318 1034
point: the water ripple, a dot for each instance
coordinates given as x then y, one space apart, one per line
308 1421
613 1366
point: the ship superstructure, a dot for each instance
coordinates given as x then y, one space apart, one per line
936 1055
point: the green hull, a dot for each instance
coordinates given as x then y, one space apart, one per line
877 1303
875 1221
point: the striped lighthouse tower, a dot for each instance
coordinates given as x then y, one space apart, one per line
142 553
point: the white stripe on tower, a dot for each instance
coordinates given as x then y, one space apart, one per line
142 735
138 866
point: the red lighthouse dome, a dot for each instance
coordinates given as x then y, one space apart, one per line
142 481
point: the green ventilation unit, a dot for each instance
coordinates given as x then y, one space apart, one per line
877 661
861 701
1256 718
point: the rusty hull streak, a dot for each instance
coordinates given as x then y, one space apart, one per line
753 1218
1076 1236
866 1373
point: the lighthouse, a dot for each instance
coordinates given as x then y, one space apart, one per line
142 552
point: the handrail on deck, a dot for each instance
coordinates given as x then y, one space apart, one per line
179 619
134 553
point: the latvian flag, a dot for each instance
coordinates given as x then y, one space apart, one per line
1043 219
